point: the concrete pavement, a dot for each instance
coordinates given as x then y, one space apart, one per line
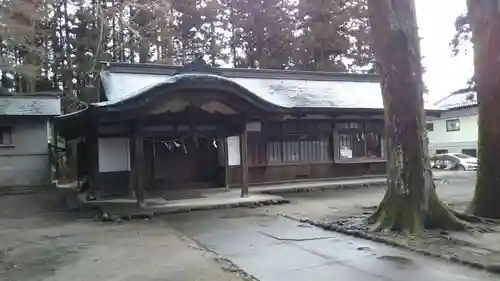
41 242
270 248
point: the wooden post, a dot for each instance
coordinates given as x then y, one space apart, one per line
56 157
133 170
139 170
223 154
244 161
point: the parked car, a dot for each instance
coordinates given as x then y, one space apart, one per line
454 161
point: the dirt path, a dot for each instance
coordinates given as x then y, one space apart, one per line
39 243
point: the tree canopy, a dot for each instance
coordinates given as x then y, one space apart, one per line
460 42
59 44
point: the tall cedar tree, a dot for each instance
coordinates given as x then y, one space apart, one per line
329 32
20 55
188 23
263 30
259 34
410 203
484 16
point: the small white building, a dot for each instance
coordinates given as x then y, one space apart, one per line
24 139
455 131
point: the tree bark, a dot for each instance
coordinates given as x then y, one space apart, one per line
143 22
411 203
484 16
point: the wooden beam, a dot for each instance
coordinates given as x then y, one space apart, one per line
244 161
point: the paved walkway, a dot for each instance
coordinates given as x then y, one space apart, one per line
40 243
271 248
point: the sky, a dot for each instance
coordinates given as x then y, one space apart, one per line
445 73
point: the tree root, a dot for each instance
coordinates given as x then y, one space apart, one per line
395 213
475 219
440 216
378 212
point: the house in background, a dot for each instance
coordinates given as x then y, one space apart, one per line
455 131
24 138
161 128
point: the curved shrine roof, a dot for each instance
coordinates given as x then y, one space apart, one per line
275 90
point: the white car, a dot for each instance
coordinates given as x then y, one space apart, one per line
454 161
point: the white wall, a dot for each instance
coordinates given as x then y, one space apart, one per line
467 133
26 162
114 154
454 141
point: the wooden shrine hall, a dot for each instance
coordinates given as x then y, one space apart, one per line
159 128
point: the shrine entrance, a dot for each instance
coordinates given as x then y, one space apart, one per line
179 140
186 163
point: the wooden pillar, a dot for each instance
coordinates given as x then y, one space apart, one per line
133 171
92 149
244 161
56 156
223 156
140 186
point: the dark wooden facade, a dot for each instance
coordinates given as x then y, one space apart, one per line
174 135
310 149
280 151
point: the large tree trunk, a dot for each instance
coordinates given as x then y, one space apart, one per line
484 16
411 203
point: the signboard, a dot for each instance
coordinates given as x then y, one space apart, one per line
254 127
37 106
345 152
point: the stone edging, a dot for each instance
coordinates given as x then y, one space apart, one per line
234 268
370 236
22 190
324 188
335 186
223 206
149 213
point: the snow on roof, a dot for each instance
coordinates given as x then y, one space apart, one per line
288 92
458 99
